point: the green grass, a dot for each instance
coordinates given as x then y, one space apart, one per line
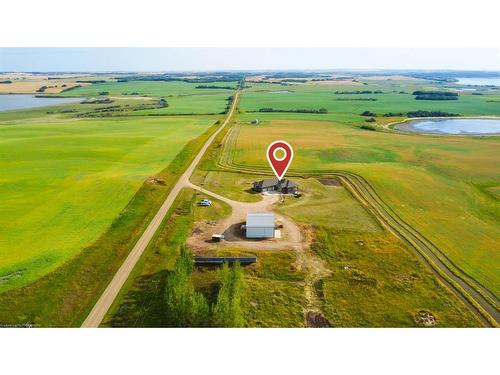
330 206
191 104
148 88
235 186
65 296
377 281
323 96
141 302
432 182
63 184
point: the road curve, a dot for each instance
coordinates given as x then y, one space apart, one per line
107 298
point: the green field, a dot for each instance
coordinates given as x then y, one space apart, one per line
76 195
441 185
385 285
390 100
151 88
63 184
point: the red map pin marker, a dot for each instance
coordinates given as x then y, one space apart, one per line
279 163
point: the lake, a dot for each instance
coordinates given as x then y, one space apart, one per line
12 102
463 126
491 81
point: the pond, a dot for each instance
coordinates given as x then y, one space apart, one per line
463 126
12 102
488 81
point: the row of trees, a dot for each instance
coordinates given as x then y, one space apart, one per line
419 113
188 308
321 110
357 92
435 95
213 77
431 114
215 87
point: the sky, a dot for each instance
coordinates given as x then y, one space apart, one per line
208 59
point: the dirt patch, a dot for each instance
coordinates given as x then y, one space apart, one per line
330 181
158 181
316 319
425 318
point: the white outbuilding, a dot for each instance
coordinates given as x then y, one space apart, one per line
260 225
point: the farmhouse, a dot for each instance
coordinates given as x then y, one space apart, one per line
260 225
273 184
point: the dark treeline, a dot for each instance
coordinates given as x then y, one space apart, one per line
321 110
435 95
93 81
357 92
71 88
222 77
421 113
215 87
97 101
186 307
356 99
228 105
6 81
294 80
42 89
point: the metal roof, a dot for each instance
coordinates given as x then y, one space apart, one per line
260 219
269 182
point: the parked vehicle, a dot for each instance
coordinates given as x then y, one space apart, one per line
217 237
205 202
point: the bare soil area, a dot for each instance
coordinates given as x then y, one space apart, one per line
200 239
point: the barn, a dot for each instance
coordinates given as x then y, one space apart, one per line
260 225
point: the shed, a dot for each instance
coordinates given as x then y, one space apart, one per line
260 225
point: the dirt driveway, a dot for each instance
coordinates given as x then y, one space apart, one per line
291 236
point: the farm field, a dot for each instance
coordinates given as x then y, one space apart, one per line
149 88
395 97
84 179
26 83
64 183
440 185
385 285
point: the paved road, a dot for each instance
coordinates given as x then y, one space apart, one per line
102 306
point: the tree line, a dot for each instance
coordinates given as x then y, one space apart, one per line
321 110
435 95
215 87
357 92
418 113
188 308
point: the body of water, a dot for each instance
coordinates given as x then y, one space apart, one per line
12 102
464 126
492 81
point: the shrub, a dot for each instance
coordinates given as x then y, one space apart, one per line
368 113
